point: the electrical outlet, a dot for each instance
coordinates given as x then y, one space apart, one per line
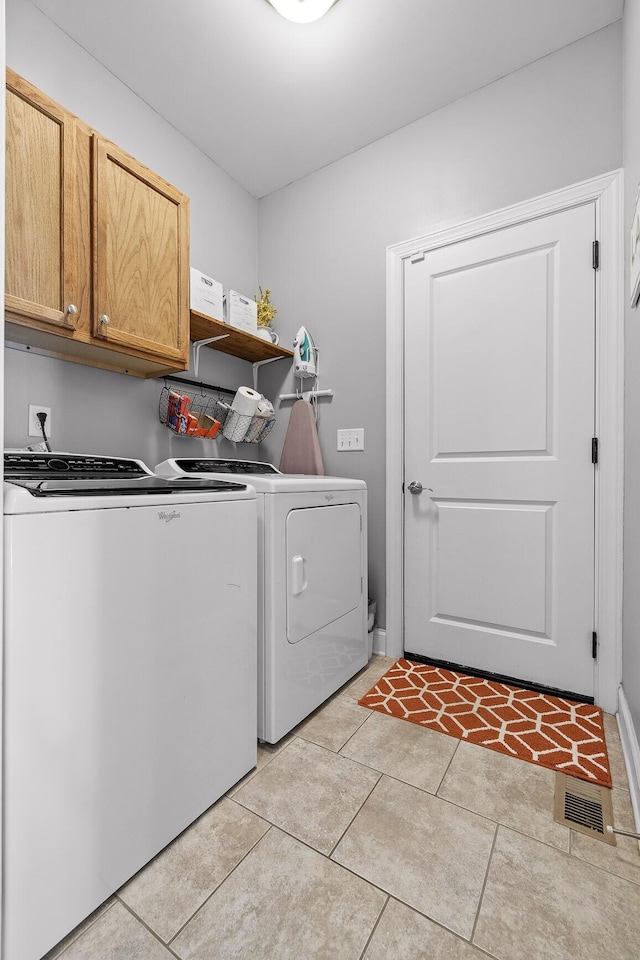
351 439
34 423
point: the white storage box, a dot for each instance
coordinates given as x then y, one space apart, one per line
206 295
241 312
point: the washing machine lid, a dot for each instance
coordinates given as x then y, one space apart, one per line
84 480
264 477
81 475
121 487
324 567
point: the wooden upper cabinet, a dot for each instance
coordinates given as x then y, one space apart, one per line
141 256
97 245
43 211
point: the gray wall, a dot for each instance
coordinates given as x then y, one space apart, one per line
631 605
323 239
94 410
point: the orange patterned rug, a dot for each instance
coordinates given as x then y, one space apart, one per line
543 729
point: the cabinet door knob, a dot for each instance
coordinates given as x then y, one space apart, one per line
105 319
72 309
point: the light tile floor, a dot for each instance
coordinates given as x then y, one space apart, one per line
363 837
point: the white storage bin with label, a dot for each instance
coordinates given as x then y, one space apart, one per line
240 312
206 295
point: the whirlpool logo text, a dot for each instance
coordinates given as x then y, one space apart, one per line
163 515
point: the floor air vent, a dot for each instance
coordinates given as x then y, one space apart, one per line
585 807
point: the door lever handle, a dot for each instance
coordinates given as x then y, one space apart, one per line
415 487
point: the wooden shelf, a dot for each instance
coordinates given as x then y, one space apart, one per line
236 342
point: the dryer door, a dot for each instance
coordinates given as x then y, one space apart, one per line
324 572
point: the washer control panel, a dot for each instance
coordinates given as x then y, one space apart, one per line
28 466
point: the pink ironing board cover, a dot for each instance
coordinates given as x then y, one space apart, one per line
301 450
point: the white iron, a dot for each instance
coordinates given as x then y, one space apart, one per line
304 355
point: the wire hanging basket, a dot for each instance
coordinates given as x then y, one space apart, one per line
192 413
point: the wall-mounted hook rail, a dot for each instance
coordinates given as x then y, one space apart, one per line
307 394
197 347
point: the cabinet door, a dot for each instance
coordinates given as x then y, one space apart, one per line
141 256
43 256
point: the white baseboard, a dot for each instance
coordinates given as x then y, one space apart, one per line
631 749
380 642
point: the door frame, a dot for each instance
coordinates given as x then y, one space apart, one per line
606 192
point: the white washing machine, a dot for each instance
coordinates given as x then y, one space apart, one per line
129 676
312 584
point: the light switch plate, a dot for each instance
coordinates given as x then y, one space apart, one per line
351 439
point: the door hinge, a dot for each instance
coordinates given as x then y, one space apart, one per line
594 645
594 449
595 254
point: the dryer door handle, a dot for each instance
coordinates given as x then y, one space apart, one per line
298 576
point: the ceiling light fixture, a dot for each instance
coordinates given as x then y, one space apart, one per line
302 11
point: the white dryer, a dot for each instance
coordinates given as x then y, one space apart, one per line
312 584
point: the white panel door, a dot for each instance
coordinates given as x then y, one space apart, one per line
499 417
